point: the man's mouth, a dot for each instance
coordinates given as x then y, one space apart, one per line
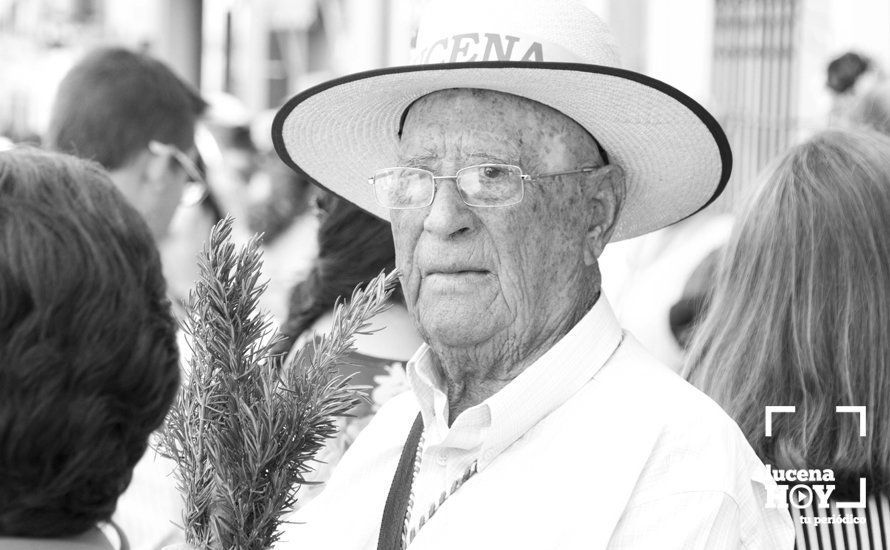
456 272
454 281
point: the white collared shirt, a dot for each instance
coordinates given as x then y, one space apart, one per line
595 445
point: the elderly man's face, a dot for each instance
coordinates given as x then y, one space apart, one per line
471 273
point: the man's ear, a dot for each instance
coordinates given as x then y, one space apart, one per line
606 197
132 177
156 170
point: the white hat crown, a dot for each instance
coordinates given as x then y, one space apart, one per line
676 158
565 31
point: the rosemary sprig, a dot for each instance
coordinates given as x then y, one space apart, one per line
247 422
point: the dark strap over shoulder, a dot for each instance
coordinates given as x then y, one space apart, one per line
397 501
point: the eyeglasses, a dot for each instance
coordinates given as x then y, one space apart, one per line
484 185
196 190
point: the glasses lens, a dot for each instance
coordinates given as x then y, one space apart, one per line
402 188
491 185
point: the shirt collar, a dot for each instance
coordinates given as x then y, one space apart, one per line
500 420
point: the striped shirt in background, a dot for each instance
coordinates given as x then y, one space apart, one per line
872 533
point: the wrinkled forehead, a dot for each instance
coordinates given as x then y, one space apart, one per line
438 122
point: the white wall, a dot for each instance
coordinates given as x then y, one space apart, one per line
670 40
679 44
360 44
133 21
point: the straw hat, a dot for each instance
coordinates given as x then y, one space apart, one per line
675 155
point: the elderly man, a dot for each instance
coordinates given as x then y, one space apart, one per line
506 162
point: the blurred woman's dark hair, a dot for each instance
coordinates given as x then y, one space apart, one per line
845 70
353 247
88 353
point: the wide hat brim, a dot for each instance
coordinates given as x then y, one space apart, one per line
675 156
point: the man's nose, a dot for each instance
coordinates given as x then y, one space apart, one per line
449 215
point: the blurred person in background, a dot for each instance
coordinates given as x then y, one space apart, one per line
800 317
689 310
88 355
231 157
263 196
848 77
198 211
279 209
279 206
845 70
278 197
135 117
278 200
353 247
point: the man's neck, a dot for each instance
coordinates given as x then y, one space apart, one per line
475 373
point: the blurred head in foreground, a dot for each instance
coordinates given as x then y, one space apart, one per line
131 114
88 356
801 312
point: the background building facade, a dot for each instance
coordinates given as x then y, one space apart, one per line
758 65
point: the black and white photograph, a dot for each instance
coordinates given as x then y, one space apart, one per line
444 274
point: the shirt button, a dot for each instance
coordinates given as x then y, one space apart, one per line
442 459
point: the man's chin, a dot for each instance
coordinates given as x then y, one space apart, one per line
461 332
457 318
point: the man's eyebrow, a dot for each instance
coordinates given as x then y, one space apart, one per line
429 159
418 161
511 159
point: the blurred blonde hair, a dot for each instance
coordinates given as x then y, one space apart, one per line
801 311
